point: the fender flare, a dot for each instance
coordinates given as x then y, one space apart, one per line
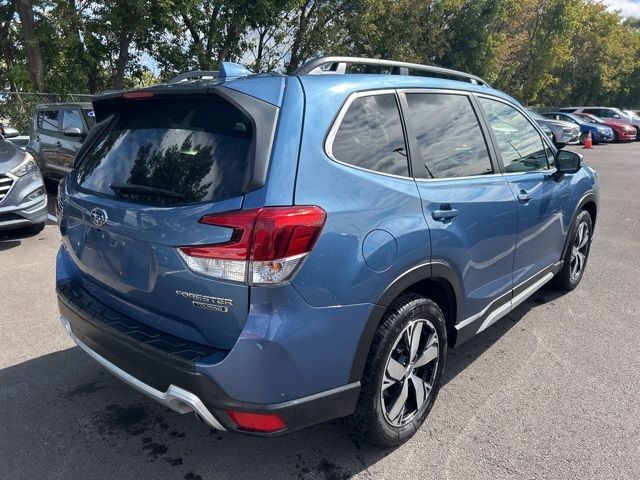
590 196
430 270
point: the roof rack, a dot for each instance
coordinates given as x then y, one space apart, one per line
338 65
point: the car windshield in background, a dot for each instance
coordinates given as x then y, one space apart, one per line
590 118
171 152
535 115
632 115
574 118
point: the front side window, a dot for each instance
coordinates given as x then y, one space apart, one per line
594 111
72 119
370 136
519 143
48 119
449 136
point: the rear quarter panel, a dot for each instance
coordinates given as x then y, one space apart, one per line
357 202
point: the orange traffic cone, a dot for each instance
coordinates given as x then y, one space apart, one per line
588 143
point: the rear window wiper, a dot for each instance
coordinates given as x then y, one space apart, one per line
134 189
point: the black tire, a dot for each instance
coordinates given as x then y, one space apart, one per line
616 138
567 279
369 420
583 138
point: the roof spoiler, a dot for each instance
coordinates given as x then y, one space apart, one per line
228 70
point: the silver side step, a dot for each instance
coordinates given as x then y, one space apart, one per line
514 302
176 398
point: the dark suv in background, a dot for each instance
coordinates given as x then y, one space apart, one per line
56 133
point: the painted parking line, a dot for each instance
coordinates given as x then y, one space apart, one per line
53 218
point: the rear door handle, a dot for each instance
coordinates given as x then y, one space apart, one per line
445 213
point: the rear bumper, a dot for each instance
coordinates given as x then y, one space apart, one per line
166 369
176 398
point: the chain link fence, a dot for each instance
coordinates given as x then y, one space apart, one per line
16 107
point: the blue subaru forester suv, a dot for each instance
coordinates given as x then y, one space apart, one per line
271 252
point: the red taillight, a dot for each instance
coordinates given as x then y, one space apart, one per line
142 94
283 232
272 239
257 422
238 246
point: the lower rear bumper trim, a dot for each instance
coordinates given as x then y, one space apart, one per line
175 398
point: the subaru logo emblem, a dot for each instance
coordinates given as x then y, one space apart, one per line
99 217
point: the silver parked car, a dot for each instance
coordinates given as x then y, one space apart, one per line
23 198
11 134
564 133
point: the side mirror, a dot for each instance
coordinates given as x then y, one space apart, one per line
9 132
567 162
615 115
72 132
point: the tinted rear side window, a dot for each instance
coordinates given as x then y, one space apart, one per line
449 136
370 136
89 117
48 119
197 149
72 119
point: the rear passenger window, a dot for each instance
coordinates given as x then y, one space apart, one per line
449 136
370 136
72 119
48 119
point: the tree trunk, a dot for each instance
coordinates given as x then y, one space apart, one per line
32 47
123 55
7 48
294 61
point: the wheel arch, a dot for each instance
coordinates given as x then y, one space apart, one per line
437 281
588 202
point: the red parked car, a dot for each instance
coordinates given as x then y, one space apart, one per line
622 132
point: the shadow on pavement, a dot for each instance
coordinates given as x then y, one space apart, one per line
62 416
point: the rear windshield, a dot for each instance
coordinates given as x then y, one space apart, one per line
171 151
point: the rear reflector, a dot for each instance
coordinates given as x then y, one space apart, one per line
257 422
267 244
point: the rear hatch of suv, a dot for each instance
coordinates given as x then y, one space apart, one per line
155 164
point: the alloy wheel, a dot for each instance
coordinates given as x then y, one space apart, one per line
579 250
410 372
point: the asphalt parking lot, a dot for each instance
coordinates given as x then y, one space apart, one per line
551 391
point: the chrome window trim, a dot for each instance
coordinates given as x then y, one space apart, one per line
328 143
468 177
